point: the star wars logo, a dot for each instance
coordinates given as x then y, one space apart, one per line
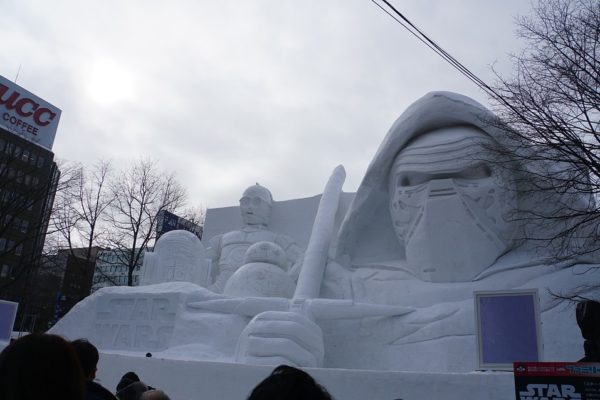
135 322
542 391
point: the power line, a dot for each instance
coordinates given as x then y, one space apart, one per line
410 27
406 24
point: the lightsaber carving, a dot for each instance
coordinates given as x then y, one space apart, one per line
305 298
315 257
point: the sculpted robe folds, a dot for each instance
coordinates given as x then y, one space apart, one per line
432 221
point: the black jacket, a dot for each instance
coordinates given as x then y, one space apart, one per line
592 351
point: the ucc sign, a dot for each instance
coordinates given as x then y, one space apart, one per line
26 114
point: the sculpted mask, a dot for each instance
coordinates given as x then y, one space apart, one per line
450 205
255 205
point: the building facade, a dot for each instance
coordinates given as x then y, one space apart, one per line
111 269
28 182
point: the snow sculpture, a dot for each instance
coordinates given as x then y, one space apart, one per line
178 256
227 251
389 289
266 338
262 274
429 225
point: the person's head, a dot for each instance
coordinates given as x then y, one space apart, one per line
255 205
133 391
588 319
154 395
289 383
88 357
127 379
450 205
40 366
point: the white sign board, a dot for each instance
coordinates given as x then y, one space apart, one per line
508 328
27 115
8 312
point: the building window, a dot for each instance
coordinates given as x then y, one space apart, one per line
2 244
24 226
32 158
40 162
19 250
25 156
5 271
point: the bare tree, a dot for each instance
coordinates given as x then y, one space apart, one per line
78 217
551 108
195 215
80 208
139 194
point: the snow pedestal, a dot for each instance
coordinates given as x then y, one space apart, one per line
190 380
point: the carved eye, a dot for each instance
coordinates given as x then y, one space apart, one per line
403 180
478 171
412 179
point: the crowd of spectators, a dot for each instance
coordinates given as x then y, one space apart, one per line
44 366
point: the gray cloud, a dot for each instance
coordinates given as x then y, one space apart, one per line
227 93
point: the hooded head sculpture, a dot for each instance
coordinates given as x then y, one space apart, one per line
436 201
450 205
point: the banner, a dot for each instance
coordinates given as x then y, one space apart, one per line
8 312
168 221
556 380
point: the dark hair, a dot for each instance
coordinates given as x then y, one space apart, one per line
40 366
289 383
588 319
87 354
127 379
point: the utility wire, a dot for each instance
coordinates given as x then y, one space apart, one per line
409 26
504 100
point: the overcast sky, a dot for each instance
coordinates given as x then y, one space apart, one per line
229 93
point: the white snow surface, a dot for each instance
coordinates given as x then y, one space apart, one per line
193 380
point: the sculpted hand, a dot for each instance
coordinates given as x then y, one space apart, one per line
281 337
